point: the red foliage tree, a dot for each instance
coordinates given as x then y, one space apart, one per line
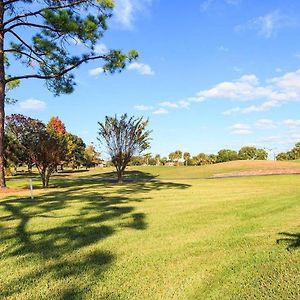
56 125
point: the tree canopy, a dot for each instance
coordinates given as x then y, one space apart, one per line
124 137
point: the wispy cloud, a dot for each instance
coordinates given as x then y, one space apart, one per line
143 107
126 11
32 105
101 49
141 68
160 111
96 71
240 129
265 124
268 25
206 4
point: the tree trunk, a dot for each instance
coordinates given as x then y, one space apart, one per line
120 176
2 98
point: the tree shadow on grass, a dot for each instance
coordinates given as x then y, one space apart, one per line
291 239
66 242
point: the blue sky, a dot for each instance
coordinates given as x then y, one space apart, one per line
212 74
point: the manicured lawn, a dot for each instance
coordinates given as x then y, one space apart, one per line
234 238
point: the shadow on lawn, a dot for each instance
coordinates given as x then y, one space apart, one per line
292 239
58 248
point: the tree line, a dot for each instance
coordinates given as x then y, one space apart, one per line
292 154
179 157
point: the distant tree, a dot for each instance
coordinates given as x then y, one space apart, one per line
247 153
212 159
41 35
282 156
163 160
186 157
261 154
136 161
56 125
252 153
45 148
200 159
172 156
178 155
225 155
147 156
91 156
157 159
124 138
75 155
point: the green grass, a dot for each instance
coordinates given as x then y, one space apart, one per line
233 238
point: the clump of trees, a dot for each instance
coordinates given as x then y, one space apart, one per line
30 142
41 36
292 154
124 137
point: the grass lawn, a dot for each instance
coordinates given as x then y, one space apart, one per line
231 238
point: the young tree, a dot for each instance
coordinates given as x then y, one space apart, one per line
41 35
45 148
124 138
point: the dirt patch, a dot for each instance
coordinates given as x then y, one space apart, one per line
11 190
259 172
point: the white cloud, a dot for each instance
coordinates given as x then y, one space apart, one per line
32 104
160 111
223 49
143 69
240 126
231 111
179 104
267 25
169 104
241 131
291 123
143 107
265 124
125 11
96 71
274 93
101 49
278 70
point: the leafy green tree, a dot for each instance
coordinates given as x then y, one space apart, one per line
124 138
261 154
247 153
41 35
212 159
200 159
225 155
282 156
75 155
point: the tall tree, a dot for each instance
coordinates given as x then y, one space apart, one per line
41 35
124 138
